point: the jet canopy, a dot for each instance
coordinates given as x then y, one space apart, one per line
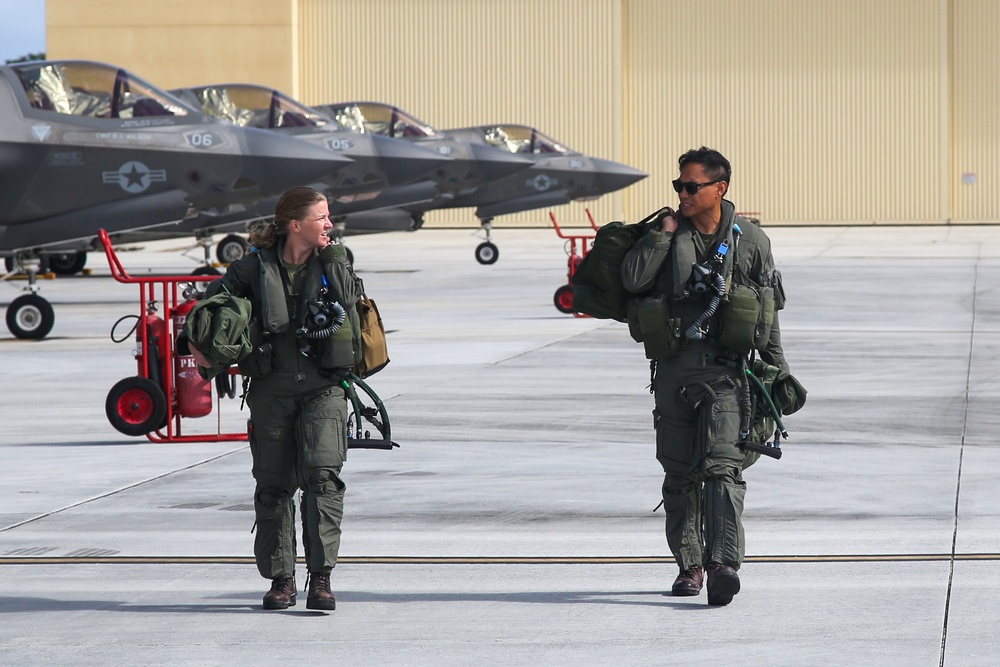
378 118
256 106
94 90
521 139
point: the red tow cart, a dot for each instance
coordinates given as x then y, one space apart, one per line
577 247
167 389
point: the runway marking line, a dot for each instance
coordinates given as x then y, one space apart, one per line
487 560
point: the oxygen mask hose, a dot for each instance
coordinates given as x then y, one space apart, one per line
706 279
323 317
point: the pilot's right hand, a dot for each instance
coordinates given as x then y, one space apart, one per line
668 220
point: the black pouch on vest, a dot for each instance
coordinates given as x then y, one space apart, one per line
258 363
649 323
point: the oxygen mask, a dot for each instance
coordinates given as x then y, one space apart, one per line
700 280
323 317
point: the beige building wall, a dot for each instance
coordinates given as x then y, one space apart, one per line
829 111
175 43
551 64
975 174
855 111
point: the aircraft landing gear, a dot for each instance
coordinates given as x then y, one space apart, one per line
231 248
67 263
487 252
208 268
29 316
337 235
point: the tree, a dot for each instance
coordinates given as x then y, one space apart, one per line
26 58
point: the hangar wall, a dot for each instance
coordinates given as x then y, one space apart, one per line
855 112
551 64
180 42
975 138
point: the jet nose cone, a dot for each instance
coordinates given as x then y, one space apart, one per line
615 175
493 164
279 162
403 162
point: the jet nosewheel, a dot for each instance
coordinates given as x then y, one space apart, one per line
487 253
563 299
136 406
231 248
31 317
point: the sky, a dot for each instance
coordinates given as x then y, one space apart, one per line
22 28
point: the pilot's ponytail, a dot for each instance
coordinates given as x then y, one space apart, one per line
292 205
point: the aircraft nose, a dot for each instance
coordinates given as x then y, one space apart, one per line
279 162
615 175
495 164
403 162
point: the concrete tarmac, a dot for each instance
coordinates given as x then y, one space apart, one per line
515 525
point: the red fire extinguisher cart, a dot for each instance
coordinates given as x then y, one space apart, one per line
167 389
577 247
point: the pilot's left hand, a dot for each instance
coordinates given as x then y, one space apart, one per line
199 358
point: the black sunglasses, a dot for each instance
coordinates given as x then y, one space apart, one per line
692 187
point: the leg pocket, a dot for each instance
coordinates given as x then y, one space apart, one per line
721 430
322 434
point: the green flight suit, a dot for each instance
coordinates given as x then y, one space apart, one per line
298 409
697 387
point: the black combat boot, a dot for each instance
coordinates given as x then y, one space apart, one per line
688 582
723 584
281 595
320 596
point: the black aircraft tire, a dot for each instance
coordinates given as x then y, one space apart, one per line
487 253
206 271
30 317
136 406
67 263
231 248
563 298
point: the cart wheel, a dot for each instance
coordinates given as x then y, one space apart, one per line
563 299
487 253
136 406
67 263
231 248
31 317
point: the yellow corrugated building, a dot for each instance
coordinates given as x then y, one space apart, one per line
847 112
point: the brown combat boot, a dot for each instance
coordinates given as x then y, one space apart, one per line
723 584
320 596
688 582
281 595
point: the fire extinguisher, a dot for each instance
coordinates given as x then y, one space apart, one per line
150 359
194 393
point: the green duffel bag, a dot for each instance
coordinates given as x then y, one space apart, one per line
598 290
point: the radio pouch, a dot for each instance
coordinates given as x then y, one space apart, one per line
747 316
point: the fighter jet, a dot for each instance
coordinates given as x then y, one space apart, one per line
86 145
557 175
382 167
473 164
